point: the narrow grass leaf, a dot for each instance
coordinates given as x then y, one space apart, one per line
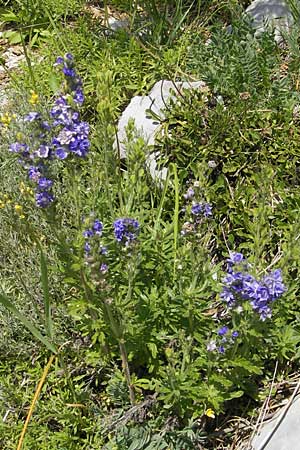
34 331
46 295
176 214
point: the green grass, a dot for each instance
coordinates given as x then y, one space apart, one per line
144 326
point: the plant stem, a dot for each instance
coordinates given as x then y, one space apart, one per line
125 366
116 329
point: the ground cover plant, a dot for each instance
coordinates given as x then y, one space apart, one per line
151 311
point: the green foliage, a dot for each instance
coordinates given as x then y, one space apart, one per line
31 20
134 370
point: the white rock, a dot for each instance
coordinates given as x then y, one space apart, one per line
117 24
147 126
274 14
280 433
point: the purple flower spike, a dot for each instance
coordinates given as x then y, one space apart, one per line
126 230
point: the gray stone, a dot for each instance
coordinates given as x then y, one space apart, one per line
117 24
283 430
147 126
274 14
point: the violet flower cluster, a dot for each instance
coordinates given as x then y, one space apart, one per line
57 136
225 338
94 251
125 233
199 211
126 230
240 286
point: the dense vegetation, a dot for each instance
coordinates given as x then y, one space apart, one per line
154 312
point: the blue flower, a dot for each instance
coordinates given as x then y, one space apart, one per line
44 183
207 210
189 194
103 250
17 147
240 286
59 60
126 230
98 227
274 284
69 56
61 153
235 258
88 233
69 72
223 331
197 209
30 117
78 96
103 268
43 151
44 199
34 173
87 248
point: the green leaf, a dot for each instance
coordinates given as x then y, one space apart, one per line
247 365
236 394
14 37
34 331
8 16
54 82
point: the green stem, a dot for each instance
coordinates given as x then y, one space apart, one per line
118 332
125 366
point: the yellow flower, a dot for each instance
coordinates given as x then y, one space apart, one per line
2 204
210 413
6 199
18 208
19 211
25 190
34 98
5 119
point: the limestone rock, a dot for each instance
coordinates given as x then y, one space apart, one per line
147 126
274 14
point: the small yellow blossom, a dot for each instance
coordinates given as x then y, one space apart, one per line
34 98
2 205
5 119
210 413
6 199
25 190
19 211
